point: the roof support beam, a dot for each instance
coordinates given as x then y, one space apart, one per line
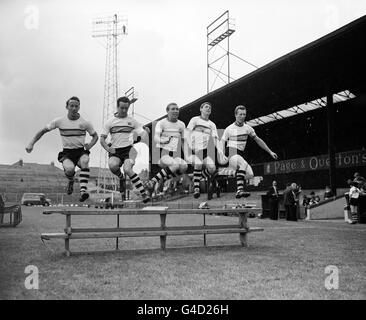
331 151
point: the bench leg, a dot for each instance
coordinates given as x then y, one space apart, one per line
243 223
163 226
204 236
68 231
244 239
67 248
163 242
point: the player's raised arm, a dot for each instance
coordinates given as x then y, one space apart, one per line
38 136
104 143
94 136
264 146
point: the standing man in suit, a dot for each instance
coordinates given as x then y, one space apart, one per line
290 202
273 197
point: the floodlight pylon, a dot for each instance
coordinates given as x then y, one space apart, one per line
109 28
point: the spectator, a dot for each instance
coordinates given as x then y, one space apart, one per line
359 180
328 193
305 201
313 199
290 202
297 190
108 203
273 197
354 194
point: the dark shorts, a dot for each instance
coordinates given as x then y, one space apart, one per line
229 152
72 154
353 202
124 153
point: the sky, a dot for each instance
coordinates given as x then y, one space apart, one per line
48 54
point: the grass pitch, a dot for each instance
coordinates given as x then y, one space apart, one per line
286 261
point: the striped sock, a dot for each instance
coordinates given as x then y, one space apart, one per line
135 179
163 174
240 178
354 216
197 174
206 174
84 179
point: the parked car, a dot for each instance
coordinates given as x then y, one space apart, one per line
30 199
104 204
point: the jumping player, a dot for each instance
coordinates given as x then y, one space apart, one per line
169 138
201 129
236 135
121 152
75 151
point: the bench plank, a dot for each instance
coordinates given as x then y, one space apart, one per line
48 236
161 231
92 235
144 212
76 230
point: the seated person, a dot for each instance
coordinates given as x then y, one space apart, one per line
313 199
328 193
305 200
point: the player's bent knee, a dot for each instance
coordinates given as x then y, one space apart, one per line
127 167
196 161
84 162
174 167
166 161
70 171
234 162
211 168
249 172
183 166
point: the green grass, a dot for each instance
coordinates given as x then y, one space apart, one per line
286 261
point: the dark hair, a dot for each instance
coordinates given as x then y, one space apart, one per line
240 107
204 104
123 99
72 98
170 104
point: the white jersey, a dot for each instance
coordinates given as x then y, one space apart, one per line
121 131
73 132
201 131
237 137
354 192
171 132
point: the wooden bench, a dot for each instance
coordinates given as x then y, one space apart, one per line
163 231
10 216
